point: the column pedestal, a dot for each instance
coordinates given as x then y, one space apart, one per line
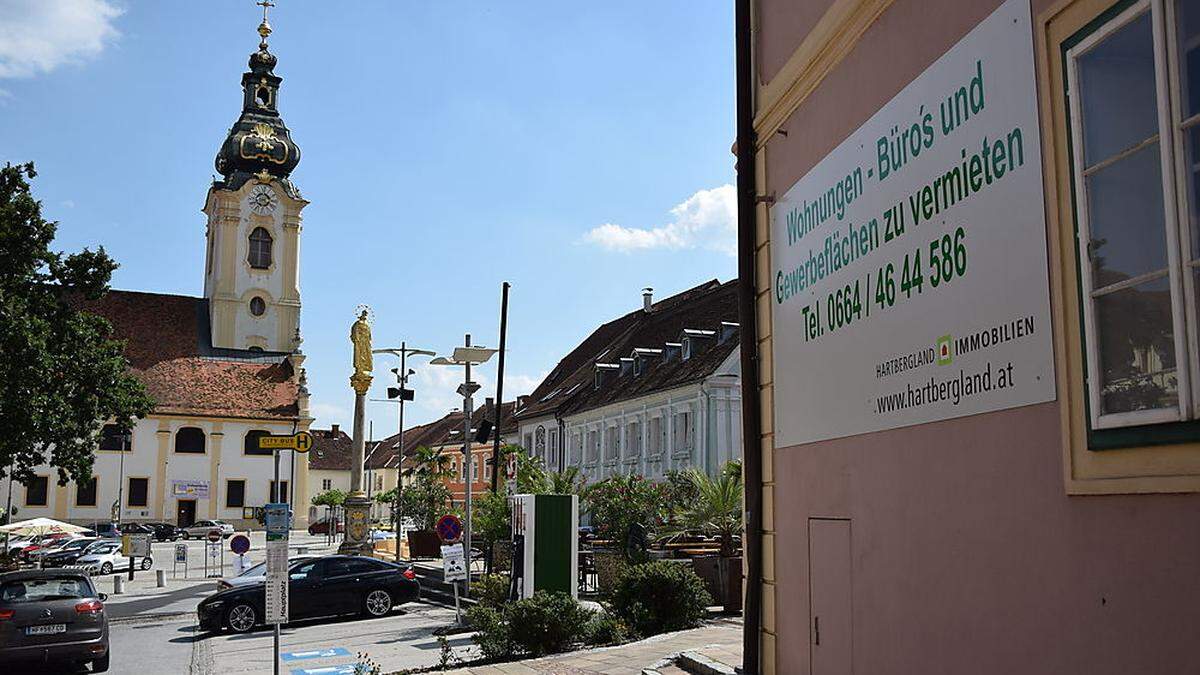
358 506
358 526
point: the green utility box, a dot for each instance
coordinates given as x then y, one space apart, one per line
545 544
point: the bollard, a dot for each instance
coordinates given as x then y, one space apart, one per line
161 577
118 584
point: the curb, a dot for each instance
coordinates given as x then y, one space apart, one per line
149 617
698 664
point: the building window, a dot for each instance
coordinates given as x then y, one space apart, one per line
139 492
112 438
258 306
593 445
552 450
283 491
251 445
85 492
260 248
655 436
235 494
327 484
487 470
37 491
612 443
529 443
681 440
475 469
576 457
1134 149
633 440
190 440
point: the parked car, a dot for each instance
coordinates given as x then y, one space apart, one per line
70 552
165 531
136 528
321 526
105 529
326 586
105 557
256 574
52 616
201 528
40 543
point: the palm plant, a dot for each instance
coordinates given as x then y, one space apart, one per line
567 482
716 509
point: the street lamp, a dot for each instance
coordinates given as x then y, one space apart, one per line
403 394
467 356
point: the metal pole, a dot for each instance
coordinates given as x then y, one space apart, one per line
400 447
499 389
275 499
470 465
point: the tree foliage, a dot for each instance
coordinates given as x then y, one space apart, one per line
331 497
716 509
61 376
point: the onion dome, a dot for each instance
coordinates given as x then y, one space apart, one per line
259 144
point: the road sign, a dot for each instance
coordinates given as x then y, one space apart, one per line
277 581
214 535
181 553
454 566
277 517
449 528
300 442
239 544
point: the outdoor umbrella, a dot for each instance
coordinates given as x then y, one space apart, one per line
38 526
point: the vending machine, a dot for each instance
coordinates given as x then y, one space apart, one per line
545 531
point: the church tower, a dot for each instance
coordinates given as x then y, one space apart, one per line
252 266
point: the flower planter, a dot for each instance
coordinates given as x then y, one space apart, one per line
723 579
424 544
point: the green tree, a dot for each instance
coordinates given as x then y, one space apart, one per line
332 497
569 481
61 375
716 509
532 478
424 500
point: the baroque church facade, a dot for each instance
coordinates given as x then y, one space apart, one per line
224 368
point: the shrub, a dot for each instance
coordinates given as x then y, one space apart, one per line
622 503
604 629
547 623
659 597
493 633
491 589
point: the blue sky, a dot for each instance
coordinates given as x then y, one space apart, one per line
578 150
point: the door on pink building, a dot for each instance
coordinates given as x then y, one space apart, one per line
829 595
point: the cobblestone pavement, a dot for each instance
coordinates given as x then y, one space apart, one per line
628 659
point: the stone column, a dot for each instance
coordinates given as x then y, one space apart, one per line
358 505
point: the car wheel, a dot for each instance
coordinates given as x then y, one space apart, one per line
241 617
106 568
100 665
377 603
147 563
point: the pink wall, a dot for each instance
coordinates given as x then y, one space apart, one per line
968 556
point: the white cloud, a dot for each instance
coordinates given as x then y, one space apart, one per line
707 219
326 414
37 36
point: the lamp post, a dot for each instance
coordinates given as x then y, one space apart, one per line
467 356
402 394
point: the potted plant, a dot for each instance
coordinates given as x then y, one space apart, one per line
716 511
425 500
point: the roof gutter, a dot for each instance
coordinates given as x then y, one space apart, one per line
747 191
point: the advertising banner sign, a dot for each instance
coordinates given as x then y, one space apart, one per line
909 274
189 489
278 520
181 552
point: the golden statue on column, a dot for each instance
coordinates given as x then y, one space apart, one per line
360 337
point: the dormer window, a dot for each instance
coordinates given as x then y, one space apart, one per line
260 249
686 348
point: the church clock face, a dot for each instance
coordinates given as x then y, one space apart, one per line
263 200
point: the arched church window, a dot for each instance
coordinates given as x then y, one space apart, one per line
260 248
190 439
258 306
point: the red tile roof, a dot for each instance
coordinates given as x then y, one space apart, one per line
167 342
331 450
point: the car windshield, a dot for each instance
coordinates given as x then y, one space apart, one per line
77 544
34 590
104 547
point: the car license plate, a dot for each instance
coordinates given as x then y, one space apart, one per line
50 629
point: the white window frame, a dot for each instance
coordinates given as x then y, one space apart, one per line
633 440
1171 157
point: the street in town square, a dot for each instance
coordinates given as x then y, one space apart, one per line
727 337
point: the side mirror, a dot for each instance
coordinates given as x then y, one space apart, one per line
102 596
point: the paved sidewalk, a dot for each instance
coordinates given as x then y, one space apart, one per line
628 659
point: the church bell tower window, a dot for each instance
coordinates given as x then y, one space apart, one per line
260 249
258 306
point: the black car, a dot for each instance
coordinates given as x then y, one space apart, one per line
164 531
319 587
103 529
69 553
52 616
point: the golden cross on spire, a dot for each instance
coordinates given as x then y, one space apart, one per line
264 28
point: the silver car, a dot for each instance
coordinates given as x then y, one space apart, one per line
201 528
